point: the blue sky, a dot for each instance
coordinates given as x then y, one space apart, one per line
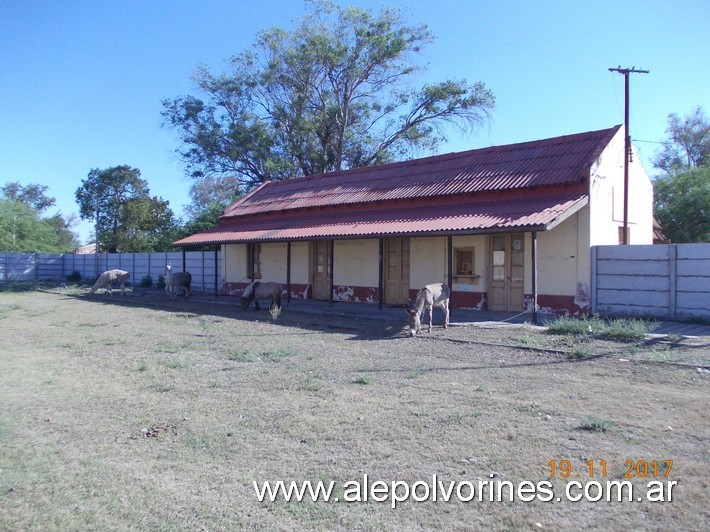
81 82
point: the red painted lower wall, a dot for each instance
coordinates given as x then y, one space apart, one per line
358 294
233 289
564 305
298 291
472 300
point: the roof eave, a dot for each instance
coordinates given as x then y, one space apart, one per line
484 231
564 215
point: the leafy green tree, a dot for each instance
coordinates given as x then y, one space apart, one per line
207 218
147 224
23 226
66 238
688 145
682 204
202 220
682 191
32 195
211 195
22 230
334 93
126 216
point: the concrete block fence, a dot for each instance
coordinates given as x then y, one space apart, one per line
57 267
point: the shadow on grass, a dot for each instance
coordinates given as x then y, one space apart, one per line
317 318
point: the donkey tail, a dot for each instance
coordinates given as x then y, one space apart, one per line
275 307
277 296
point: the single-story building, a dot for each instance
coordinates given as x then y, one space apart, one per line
85 250
505 226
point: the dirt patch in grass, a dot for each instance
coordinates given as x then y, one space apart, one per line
148 413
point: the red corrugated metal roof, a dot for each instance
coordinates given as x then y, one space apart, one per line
525 212
518 187
549 162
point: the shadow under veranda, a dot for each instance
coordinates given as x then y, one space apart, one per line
229 307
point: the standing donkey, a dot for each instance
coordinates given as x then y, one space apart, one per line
429 297
177 281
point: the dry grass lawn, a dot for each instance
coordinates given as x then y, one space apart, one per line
140 412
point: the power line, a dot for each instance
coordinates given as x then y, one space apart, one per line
649 141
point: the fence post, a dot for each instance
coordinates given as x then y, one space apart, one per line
203 270
672 279
593 280
216 269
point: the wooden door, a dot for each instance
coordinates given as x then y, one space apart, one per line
507 272
396 283
320 269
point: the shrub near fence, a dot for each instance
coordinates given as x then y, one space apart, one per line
54 267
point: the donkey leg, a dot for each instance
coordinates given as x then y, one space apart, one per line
445 308
431 313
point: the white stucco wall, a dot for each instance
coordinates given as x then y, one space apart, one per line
273 262
356 262
558 259
606 197
428 262
234 263
300 263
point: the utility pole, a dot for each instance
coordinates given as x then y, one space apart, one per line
627 143
96 230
